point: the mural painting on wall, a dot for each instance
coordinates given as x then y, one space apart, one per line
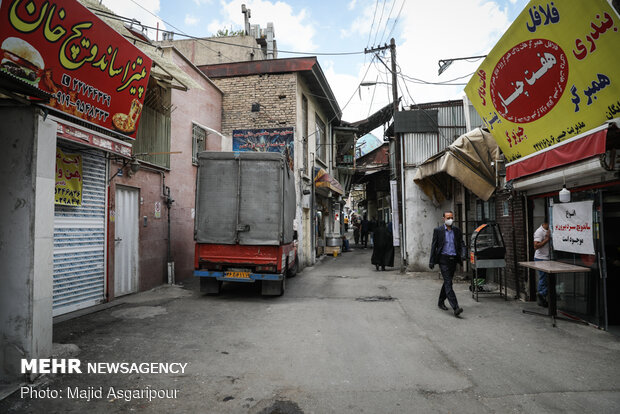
280 140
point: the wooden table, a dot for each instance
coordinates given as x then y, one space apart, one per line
552 268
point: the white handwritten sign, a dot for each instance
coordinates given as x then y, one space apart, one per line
572 227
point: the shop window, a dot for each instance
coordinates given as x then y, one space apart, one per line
199 142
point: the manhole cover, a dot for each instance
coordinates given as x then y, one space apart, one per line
376 299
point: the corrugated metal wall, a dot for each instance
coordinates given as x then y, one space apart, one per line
79 242
451 125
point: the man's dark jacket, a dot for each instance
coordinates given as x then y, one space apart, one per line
439 237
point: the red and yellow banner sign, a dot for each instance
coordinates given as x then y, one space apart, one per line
62 48
553 75
68 179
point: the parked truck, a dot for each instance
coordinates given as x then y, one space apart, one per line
245 209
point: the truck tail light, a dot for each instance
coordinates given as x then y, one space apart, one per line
269 268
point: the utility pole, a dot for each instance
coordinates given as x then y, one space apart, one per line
398 149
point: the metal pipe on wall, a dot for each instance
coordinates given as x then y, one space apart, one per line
603 257
403 238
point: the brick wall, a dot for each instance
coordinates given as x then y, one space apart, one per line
276 95
514 239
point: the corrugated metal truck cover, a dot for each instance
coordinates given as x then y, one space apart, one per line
244 189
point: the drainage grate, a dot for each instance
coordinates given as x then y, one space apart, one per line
376 299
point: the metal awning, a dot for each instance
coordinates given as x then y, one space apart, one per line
13 87
469 160
323 180
583 146
375 120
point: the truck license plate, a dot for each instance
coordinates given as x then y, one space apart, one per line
238 275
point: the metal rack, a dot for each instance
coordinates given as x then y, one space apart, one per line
487 251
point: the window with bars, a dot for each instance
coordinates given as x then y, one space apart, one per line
153 137
199 142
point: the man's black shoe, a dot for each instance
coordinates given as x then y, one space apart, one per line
442 306
458 311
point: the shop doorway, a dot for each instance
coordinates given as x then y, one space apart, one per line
126 241
611 220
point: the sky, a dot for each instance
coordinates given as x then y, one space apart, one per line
424 32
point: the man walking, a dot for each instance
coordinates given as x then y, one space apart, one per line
447 251
365 227
541 245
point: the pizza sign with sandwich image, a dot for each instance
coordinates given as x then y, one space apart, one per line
62 48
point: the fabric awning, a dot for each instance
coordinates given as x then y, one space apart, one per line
580 147
323 180
468 160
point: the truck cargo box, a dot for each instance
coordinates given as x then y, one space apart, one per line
245 198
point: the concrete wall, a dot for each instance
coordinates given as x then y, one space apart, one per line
422 217
27 165
205 52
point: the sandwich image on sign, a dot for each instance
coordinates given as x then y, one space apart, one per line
22 60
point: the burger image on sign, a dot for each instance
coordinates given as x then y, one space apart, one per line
21 60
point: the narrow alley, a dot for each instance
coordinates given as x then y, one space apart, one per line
343 338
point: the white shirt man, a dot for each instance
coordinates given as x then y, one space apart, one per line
541 243
541 238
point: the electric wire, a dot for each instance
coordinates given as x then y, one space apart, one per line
372 99
433 120
387 21
373 23
171 25
210 40
379 24
396 20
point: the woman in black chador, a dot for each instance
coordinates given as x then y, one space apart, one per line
383 249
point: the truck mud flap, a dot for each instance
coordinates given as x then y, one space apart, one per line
273 287
210 286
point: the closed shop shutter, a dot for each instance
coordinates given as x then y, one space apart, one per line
79 241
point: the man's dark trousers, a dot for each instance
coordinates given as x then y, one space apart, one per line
365 238
447 266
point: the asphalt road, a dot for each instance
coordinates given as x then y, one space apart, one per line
343 339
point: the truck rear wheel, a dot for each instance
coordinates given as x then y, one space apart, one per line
292 272
210 286
273 287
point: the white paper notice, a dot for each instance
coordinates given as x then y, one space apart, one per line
572 227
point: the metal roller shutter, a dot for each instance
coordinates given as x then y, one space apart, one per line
79 242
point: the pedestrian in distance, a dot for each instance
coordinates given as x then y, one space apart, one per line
542 236
356 230
345 244
447 249
372 225
364 229
382 248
